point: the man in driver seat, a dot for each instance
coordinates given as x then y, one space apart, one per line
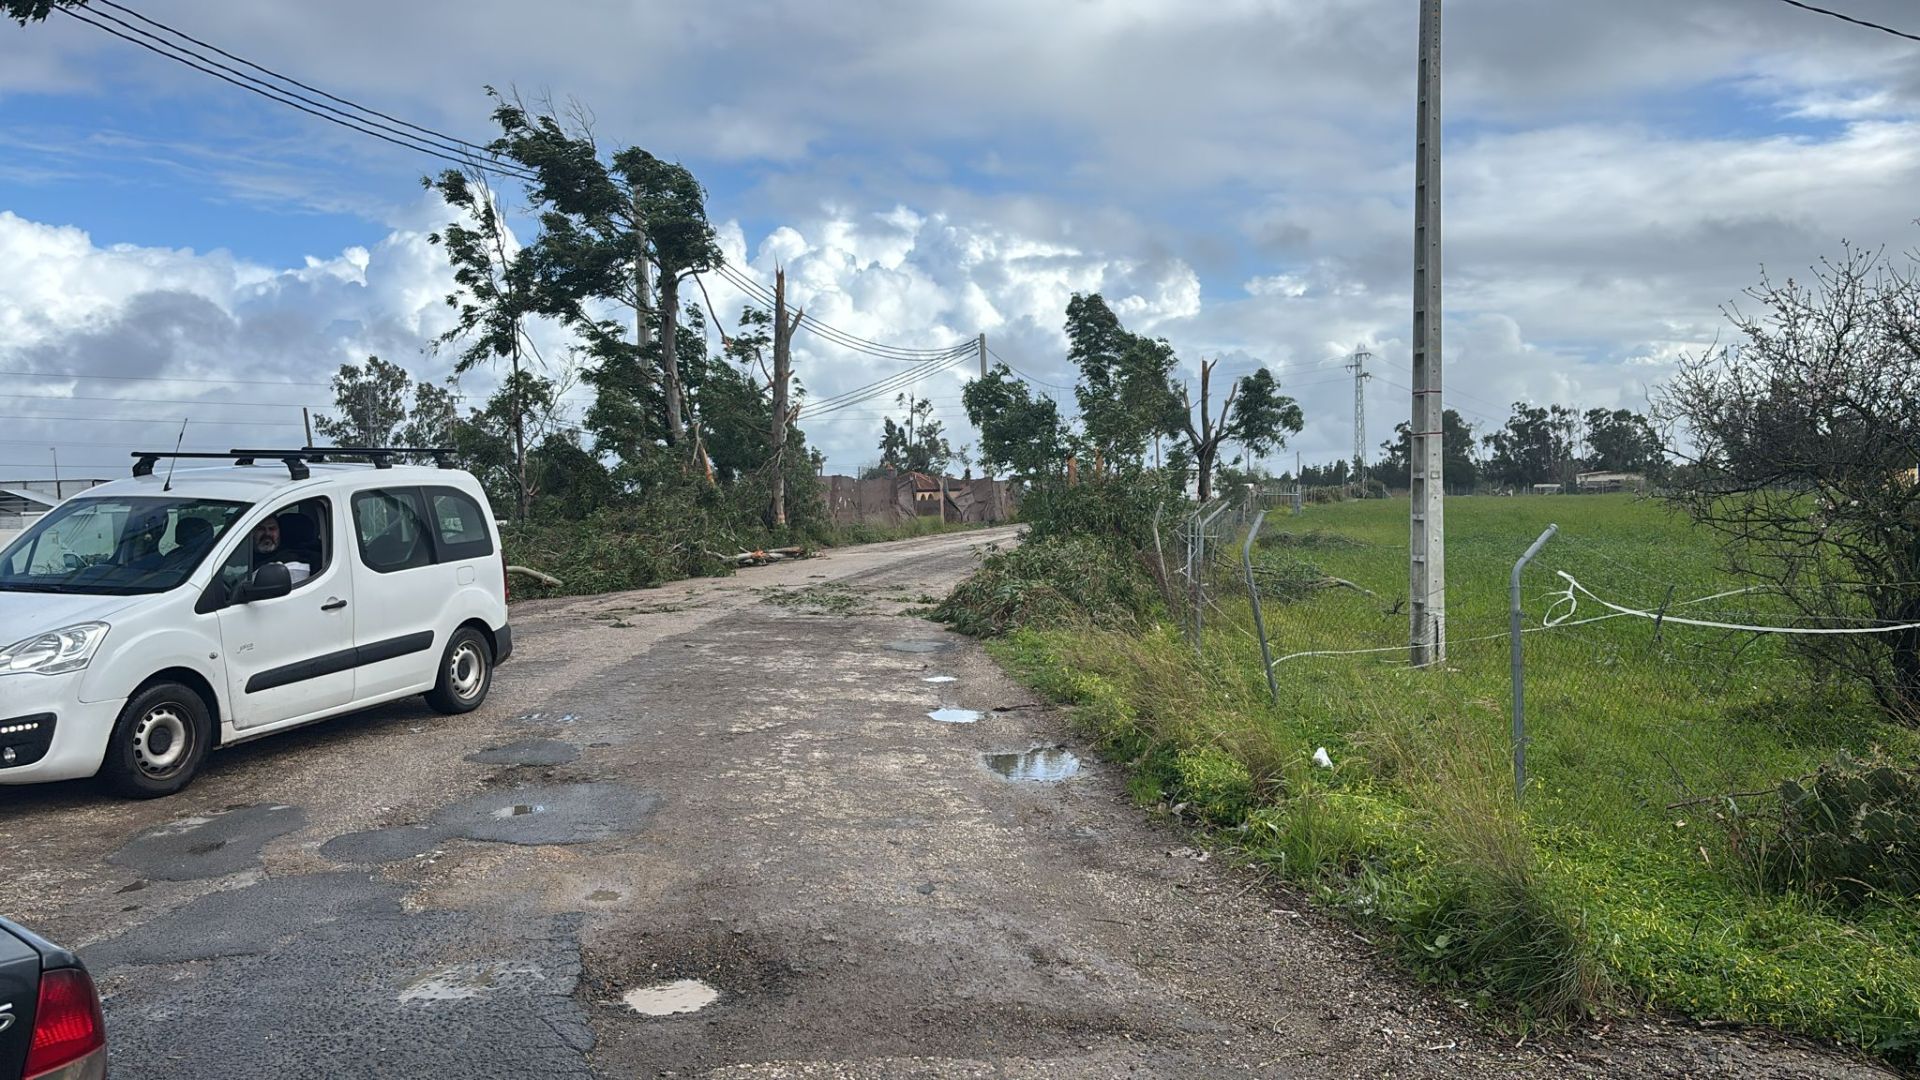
272 543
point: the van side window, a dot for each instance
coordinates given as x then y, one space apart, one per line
299 534
391 527
461 523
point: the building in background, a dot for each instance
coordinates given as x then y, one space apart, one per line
22 502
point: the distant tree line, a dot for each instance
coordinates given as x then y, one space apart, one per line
1549 444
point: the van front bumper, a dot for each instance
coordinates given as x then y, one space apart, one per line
51 733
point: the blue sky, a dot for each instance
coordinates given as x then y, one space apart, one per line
1236 178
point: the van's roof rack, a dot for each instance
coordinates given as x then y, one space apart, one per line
294 460
381 457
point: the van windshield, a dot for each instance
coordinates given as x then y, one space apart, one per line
116 547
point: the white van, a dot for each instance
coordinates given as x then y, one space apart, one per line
153 619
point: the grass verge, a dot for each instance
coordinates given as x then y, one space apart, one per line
1627 879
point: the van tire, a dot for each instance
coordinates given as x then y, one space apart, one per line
466 673
158 743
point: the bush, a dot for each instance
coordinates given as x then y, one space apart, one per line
1048 582
1119 510
1849 833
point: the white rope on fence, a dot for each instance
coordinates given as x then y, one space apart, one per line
1573 586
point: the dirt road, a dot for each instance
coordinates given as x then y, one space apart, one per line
729 796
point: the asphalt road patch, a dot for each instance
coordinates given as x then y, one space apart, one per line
534 815
208 845
328 975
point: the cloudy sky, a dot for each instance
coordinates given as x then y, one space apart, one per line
1234 176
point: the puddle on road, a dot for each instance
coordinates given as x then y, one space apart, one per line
940 679
1047 765
955 716
519 809
463 982
919 646
671 999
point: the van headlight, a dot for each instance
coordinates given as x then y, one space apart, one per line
69 648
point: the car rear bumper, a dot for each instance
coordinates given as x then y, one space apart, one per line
52 733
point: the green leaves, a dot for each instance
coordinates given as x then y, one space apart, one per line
1019 433
1262 417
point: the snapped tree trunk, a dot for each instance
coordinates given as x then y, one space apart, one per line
519 441
1206 439
670 355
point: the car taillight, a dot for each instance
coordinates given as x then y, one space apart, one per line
69 1032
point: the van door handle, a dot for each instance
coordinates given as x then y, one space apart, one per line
333 603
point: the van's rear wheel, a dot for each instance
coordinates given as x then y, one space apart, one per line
158 742
466 673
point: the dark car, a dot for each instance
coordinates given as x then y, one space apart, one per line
50 1022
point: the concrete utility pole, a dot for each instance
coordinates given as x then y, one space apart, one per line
1358 365
1427 588
983 356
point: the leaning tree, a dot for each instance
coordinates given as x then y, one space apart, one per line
1804 437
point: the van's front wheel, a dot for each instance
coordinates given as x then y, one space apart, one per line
466 673
158 742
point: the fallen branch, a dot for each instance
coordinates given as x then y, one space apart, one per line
544 579
1728 795
1343 583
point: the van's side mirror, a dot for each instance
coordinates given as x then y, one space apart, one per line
269 582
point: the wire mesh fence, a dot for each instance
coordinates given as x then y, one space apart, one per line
1643 671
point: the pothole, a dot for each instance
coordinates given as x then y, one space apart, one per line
519 810
955 716
1044 765
671 999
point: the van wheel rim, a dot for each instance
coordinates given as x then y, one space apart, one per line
466 670
161 740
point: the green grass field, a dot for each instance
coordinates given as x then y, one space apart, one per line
1600 892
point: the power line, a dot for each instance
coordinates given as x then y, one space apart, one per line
891 384
160 47
440 135
24 374
168 401
1024 375
431 142
744 282
159 422
1849 18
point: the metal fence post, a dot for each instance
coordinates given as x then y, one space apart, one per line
1253 595
1160 552
1519 667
